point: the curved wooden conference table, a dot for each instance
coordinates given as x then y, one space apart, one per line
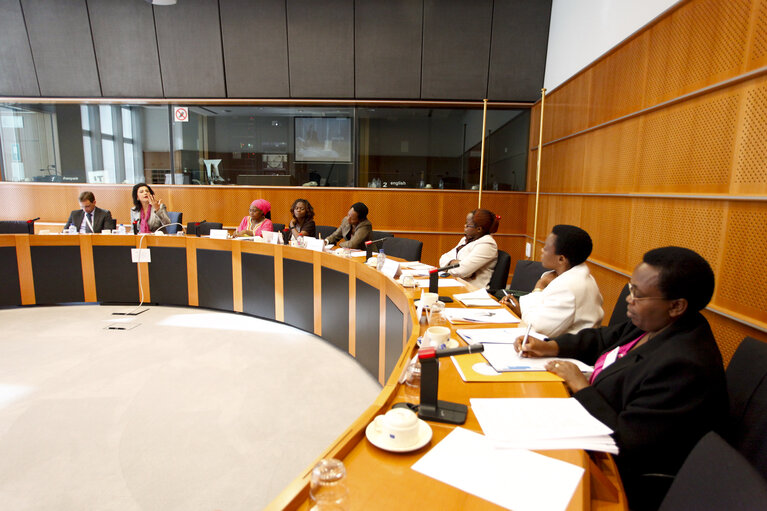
347 303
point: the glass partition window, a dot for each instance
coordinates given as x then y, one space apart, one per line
391 147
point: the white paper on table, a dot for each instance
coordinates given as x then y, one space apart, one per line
603 443
479 293
502 315
416 273
512 419
314 244
390 268
417 265
478 302
219 234
442 283
357 253
515 479
503 358
495 335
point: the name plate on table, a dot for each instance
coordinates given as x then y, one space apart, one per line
390 268
315 244
270 237
219 234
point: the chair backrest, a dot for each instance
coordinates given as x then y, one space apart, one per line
620 309
526 274
202 228
406 248
716 476
323 231
377 235
747 390
110 223
17 227
175 217
501 272
277 227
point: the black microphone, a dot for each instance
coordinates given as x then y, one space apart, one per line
445 268
30 221
135 227
369 247
432 352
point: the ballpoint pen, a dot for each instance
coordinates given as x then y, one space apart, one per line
524 340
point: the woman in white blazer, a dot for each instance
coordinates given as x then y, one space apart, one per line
566 299
477 252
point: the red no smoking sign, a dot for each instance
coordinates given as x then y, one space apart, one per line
181 114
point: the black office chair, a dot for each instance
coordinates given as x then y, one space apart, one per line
17 227
747 389
175 217
377 235
110 223
406 248
202 228
526 274
277 227
619 311
716 476
501 272
323 231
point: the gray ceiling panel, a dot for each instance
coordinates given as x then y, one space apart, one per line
388 49
518 52
126 48
189 41
255 48
17 70
456 49
60 37
321 48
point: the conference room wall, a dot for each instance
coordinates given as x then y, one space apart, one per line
661 142
435 217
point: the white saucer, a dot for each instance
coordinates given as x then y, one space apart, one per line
381 441
451 343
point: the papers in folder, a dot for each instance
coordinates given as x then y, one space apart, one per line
455 315
478 298
542 423
514 479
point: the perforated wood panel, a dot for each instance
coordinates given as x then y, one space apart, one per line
750 174
610 158
729 334
759 40
609 232
610 285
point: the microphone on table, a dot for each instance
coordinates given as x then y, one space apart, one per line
434 275
34 219
369 247
433 352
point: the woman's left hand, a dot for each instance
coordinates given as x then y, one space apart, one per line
569 372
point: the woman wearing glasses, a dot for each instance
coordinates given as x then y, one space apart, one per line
257 221
477 252
658 378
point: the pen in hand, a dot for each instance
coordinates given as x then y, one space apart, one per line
524 340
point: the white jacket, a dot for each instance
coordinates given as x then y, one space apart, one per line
477 260
570 303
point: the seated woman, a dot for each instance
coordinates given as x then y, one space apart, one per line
148 213
257 221
658 378
477 252
355 228
565 299
302 223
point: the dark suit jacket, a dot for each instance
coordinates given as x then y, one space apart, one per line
99 217
659 399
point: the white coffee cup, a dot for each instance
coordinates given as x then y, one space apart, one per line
399 426
438 335
408 280
429 298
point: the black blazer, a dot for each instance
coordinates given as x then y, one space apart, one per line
99 217
659 399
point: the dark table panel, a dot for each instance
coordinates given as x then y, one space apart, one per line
258 285
214 279
167 276
335 308
10 288
58 274
116 275
368 317
394 319
298 290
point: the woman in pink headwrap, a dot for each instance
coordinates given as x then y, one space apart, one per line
257 219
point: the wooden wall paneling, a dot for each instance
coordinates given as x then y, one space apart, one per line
749 165
518 50
255 44
610 285
126 48
729 334
17 70
321 48
387 49
512 209
456 49
189 44
567 109
607 220
610 158
89 277
757 50
62 48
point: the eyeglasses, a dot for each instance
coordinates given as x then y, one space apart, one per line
632 294
471 226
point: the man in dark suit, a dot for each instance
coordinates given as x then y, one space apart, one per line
89 218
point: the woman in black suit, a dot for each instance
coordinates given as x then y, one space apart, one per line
658 378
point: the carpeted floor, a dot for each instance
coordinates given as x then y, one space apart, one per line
187 410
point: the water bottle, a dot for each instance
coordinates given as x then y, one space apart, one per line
121 229
328 490
381 259
72 229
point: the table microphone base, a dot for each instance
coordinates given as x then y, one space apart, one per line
445 411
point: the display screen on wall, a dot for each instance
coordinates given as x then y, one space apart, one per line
323 139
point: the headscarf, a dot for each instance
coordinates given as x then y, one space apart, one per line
262 204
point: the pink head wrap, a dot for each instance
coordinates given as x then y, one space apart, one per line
262 204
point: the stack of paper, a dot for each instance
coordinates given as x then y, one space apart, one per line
478 298
441 282
542 423
455 315
515 479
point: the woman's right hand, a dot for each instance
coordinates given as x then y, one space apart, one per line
536 348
